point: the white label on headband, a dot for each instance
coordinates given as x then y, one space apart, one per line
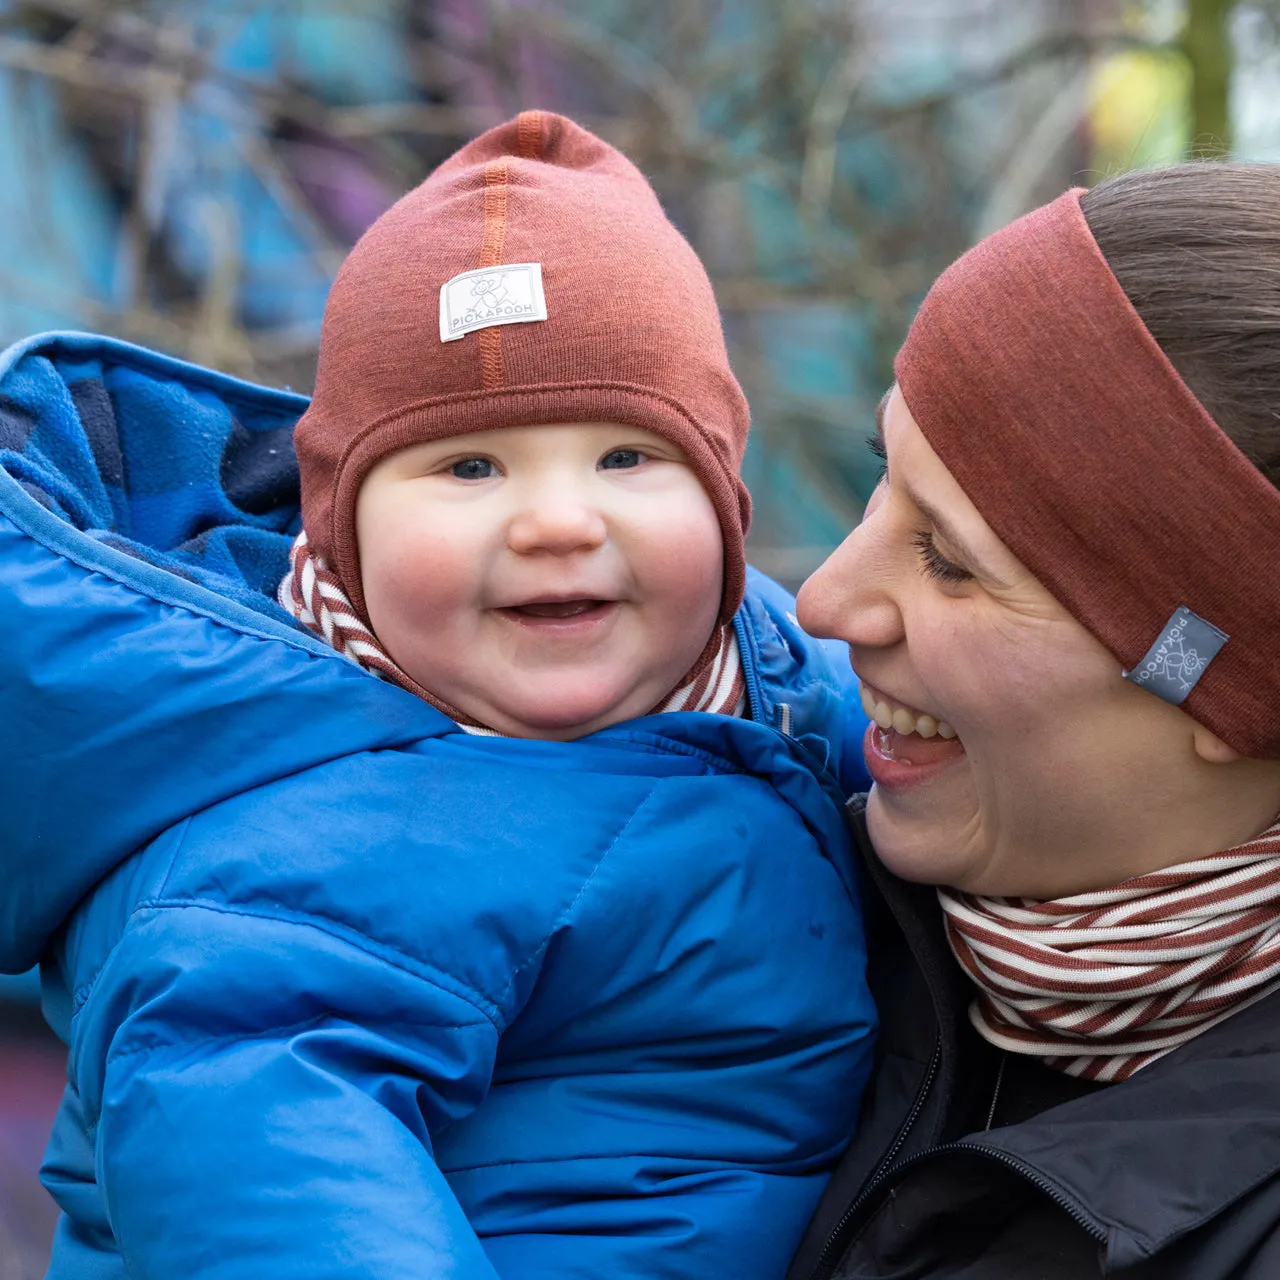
509 294
1179 656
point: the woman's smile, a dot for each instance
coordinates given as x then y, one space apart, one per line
903 746
904 720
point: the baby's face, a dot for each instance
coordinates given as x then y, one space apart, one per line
547 581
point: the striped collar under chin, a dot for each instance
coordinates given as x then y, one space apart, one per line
1099 985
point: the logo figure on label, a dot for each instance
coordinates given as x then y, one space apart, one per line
491 291
488 296
1177 660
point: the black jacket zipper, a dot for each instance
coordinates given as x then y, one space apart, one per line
1071 1208
826 1258
888 1172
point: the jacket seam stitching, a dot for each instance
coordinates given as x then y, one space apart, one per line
162 892
82 993
196 612
1153 1245
266 1033
417 969
752 1166
655 743
568 911
171 598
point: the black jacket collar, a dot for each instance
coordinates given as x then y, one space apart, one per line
1139 1165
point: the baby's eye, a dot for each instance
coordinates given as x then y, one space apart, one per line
621 459
472 469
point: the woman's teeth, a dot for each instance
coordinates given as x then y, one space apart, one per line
902 720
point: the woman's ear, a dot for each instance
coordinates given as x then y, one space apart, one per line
1211 748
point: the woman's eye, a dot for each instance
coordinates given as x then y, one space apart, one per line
472 469
936 565
621 459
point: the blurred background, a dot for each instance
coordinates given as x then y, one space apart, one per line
189 174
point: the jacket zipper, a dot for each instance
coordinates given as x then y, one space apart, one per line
754 701
755 704
887 1171
883 1170
1073 1210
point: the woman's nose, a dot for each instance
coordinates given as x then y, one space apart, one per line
854 595
558 522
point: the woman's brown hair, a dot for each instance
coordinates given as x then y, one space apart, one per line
1196 248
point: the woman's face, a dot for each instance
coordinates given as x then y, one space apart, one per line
1061 776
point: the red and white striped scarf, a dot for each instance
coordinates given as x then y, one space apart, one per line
1101 984
313 594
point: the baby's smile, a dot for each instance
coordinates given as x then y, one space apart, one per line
558 614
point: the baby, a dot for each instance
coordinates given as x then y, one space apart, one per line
562 974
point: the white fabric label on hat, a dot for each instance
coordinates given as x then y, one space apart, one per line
506 294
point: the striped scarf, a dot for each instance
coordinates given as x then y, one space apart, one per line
1101 984
313 594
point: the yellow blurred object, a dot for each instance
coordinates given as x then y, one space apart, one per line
1139 113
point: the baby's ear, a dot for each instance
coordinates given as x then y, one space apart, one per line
1211 748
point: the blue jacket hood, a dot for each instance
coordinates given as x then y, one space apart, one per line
146 511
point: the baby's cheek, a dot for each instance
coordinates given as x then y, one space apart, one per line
689 604
413 584
686 546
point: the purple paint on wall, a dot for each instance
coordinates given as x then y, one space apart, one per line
32 1074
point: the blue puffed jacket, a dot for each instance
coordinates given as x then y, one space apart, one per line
347 991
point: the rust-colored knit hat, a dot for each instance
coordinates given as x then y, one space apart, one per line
549 221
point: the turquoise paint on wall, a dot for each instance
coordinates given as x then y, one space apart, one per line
58 226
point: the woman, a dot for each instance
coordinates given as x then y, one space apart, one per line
1064 606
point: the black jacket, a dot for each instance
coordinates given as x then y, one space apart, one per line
1173 1175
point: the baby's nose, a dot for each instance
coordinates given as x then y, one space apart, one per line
559 524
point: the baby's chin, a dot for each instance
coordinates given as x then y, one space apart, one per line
562 713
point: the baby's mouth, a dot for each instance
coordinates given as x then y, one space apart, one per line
559 609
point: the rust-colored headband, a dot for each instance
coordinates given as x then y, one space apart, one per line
1038 385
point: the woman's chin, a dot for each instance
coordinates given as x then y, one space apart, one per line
922 847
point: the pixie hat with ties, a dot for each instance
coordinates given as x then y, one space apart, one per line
532 278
